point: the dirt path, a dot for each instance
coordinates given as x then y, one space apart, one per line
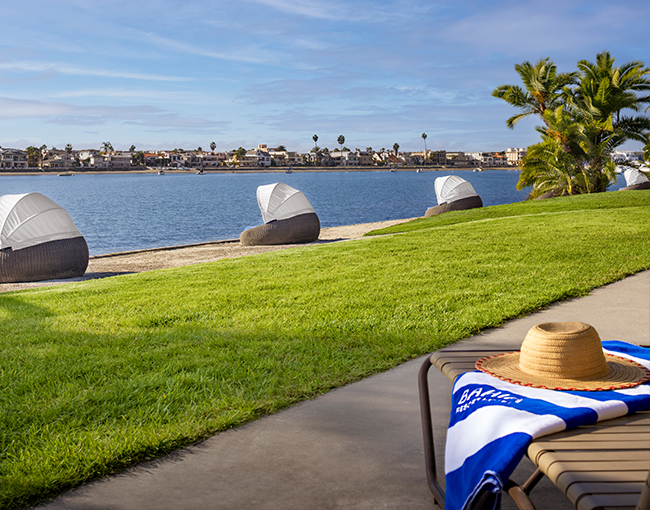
102 266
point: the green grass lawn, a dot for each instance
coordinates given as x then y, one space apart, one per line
99 375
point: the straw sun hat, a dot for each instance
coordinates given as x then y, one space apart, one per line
564 356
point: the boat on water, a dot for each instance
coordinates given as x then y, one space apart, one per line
393 169
199 172
288 171
418 171
477 169
161 172
66 174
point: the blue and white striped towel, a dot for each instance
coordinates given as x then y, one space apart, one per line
493 422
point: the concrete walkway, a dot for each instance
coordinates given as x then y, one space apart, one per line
355 448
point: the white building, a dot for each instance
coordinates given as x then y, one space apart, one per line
514 156
345 158
622 156
13 158
257 157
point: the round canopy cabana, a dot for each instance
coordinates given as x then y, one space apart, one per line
635 179
38 240
453 194
288 217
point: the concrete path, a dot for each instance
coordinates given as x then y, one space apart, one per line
355 448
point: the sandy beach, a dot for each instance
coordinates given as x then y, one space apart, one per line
113 264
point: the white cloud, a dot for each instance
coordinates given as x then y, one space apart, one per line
44 67
249 54
311 9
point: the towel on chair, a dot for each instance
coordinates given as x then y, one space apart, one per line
493 422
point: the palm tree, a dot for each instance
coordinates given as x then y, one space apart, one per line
586 123
396 148
315 138
543 89
138 159
213 146
341 140
33 156
240 153
424 137
107 147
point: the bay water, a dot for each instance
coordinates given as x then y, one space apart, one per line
123 212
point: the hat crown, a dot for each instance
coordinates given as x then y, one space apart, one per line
570 350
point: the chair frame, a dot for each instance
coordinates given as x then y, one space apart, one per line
544 452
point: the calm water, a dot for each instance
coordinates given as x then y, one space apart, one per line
130 212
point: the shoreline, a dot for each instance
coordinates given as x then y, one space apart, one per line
142 171
151 259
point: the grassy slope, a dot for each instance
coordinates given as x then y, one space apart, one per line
101 374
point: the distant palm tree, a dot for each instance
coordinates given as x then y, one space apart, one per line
213 146
396 148
315 138
33 156
424 137
341 140
240 153
107 147
138 159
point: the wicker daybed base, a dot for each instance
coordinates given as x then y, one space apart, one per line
643 185
54 260
304 228
457 205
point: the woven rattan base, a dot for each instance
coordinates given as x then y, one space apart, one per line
54 260
304 228
458 205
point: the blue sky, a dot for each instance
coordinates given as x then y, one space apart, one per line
170 73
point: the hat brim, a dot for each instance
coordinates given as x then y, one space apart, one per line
623 373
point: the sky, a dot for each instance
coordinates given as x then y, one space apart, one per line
165 74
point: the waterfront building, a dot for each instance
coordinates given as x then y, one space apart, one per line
257 157
344 158
514 156
58 159
365 158
13 158
624 156
459 158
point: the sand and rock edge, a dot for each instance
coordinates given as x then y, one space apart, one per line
113 264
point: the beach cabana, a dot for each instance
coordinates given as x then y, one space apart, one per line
635 179
288 217
38 240
453 194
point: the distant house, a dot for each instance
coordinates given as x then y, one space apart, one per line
344 158
118 160
459 158
514 156
56 161
151 158
393 160
174 158
365 158
13 158
257 157
623 156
